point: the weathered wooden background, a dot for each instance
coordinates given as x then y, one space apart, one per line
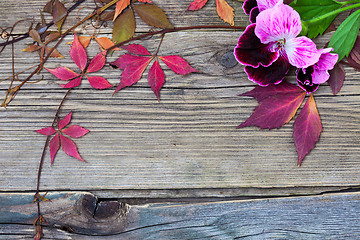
185 148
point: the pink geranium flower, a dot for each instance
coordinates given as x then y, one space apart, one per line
311 77
254 7
268 47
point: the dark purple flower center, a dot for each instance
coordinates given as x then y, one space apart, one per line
304 79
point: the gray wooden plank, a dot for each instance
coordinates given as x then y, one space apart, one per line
330 216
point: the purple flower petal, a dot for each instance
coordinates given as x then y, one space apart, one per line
253 14
305 81
327 60
249 5
302 52
251 52
277 23
266 4
272 74
320 76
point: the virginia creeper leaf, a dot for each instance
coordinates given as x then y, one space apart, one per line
48 7
124 26
63 73
47 131
78 53
344 37
98 82
31 48
69 147
136 49
337 77
133 72
120 6
307 129
153 15
73 83
65 121
35 35
260 93
156 78
309 9
225 11
275 111
145 1
55 53
75 131
128 60
105 43
54 147
59 11
51 37
97 62
354 56
196 5
178 64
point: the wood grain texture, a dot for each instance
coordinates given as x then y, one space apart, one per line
80 216
188 140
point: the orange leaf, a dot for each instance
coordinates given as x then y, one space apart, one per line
31 48
120 6
225 11
54 54
84 41
105 43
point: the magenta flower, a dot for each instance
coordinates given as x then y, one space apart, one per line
268 47
311 77
253 7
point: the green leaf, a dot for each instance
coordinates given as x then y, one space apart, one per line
344 37
310 9
153 15
124 26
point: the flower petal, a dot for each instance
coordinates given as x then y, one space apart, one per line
73 83
327 60
75 131
272 74
302 52
97 62
253 14
249 5
277 23
266 4
305 80
63 73
320 76
251 52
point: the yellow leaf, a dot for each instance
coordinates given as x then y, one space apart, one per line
225 11
120 6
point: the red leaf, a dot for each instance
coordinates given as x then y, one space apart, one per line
54 147
260 93
136 49
75 131
120 6
65 121
127 60
178 64
156 78
196 5
225 11
99 82
63 73
46 131
78 53
97 63
307 129
73 83
69 147
337 77
275 111
134 69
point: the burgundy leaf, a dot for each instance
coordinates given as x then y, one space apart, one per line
178 64
99 82
307 129
196 5
63 73
54 147
156 78
261 93
275 111
136 49
69 147
78 53
97 63
75 131
65 121
337 77
47 131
